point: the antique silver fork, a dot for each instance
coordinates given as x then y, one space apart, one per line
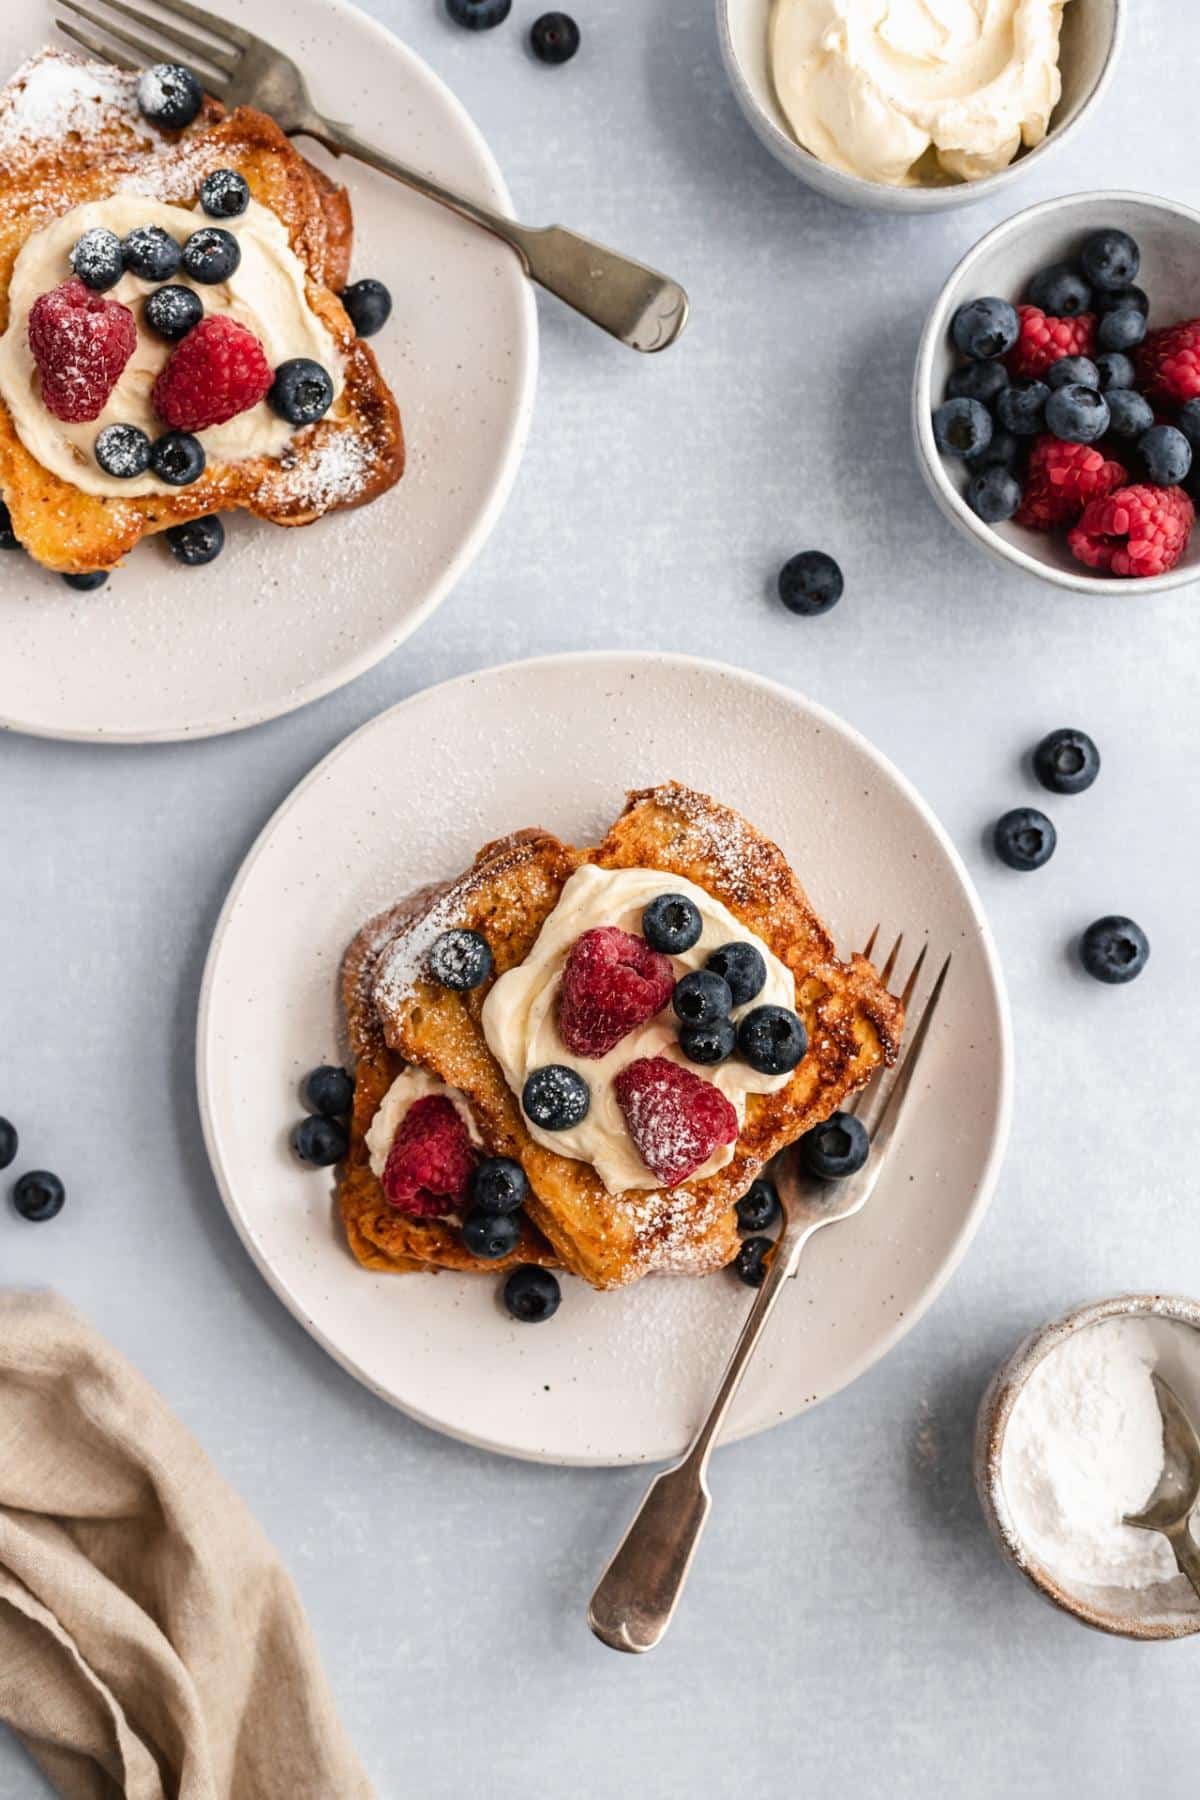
644 309
636 1597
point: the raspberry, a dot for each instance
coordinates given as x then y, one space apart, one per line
612 983
217 371
675 1119
1136 531
1044 340
80 343
1168 362
1060 480
430 1160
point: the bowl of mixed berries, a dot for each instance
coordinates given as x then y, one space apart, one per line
1056 403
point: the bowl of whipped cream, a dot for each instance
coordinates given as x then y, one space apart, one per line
1069 1441
916 105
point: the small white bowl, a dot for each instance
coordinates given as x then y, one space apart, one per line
1092 32
1002 263
1166 1610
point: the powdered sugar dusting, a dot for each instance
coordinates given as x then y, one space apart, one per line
55 95
329 471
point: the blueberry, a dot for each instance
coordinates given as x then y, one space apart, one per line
460 959
301 391
96 259
555 1097
8 1142
170 312
701 998
196 541
835 1149
498 1185
532 1294
981 381
1115 371
1110 260
1024 838
758 1209
1061 291
169 95
1129 296
1002 451
772 1039
1021 407
491 1235
177 458
1129 414
1078 414
210 255
150 253
750 1262
1067 369
479 15
742 966
224 194
39 1196
994 495
123 451
1188 421
554 38
1114 949
1121 329
712 1043
671 924
369 305
984 329
1165 454
810 583
319 1141
1066 761
328 1090
964 427
87 583
8 537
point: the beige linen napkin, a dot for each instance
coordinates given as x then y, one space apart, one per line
151 1644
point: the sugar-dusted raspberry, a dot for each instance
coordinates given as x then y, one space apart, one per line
612 982
430 1161
1044 340
1060 480
1168 362
1136 531
675 1119
80 343
217 371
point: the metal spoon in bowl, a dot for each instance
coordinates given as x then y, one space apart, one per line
1170 1507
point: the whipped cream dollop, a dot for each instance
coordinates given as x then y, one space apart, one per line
520 1018
266 293
410 1086
913 92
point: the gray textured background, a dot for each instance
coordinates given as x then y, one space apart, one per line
850 1630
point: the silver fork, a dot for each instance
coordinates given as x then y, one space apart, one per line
638 1592
644 309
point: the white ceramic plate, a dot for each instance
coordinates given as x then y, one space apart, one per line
285 616
617 1377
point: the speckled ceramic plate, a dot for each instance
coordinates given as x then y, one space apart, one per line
286 615
617 1377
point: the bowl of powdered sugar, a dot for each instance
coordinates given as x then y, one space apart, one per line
1070 1440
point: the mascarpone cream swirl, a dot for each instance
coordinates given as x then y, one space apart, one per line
913 92
520 1017
410 1086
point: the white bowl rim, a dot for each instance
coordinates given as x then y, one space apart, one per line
857 190
929 457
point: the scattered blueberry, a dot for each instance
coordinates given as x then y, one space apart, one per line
772 1039
8 537
123 451
671 924
1021 407
328 1090
742 966
8 1142
984 329
1114 949
554 38
1128 296
1129 414
1165 454
532 1294
980 381
1024 838
491 1235
39 1196
177 458
1188 421
555 1097
758 1209
1110 260
301 391
711 1043
1001 452
97 260
211 254
169 95
964 427
87 583
700 998
369 305
750 1262
1115 371
171 311
460 959
1067 369
835 1149
479 15
1121 329
224 194
1066 761
810 583
1061 291
196 541
150 253
1078 414
498 1185
994 495
319 1141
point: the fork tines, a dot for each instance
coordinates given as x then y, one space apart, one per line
213 62
878 1105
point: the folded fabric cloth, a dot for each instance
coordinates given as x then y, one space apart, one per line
151 1644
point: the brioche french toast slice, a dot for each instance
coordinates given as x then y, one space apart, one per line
71 136
614 1238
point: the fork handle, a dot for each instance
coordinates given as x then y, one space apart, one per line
634 303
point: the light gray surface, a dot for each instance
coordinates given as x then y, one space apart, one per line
821 1649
